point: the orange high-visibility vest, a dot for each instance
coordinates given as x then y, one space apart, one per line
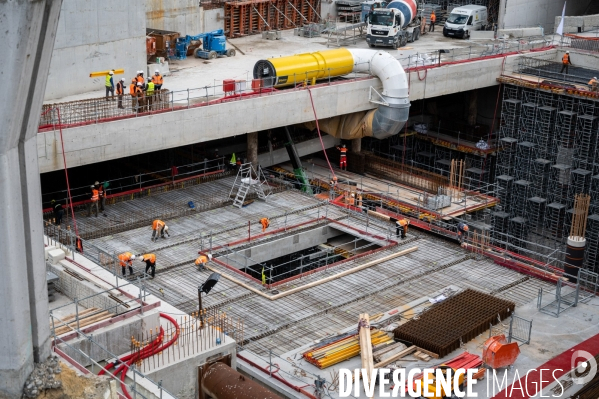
201 260
132 88
433 17
150 257
157 79
265 222
343 151
566 58
125 258
140 79
158 224
119 88
95 195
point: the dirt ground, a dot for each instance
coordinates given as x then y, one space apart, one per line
75 386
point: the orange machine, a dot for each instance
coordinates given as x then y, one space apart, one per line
497 353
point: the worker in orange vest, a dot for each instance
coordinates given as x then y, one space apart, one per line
140 78
566 61
126 259
265 223
158 229
157 79
102 195
343 157
202 261
433 20
401 227
93 201
132 93
462 230
139 94
593 83
120 90
150 260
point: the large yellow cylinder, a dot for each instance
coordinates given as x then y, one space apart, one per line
286 71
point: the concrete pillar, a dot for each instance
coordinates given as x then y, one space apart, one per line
29 29
356 145
472 107
252 149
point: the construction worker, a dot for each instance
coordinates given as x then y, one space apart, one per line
150 260
202 261
431 28
233 161
462 230
423 25
158 229
140 78
132 93
94 201
120 90
157 79
343 157
101 194
150 95
139 94
333 182
109 85
126 259
401 228
265 223
58 212
566 61
593 83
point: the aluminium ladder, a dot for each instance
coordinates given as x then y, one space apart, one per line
244 183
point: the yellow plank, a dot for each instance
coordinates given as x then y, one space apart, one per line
104 73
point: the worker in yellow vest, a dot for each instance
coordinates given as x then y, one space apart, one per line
150 95
109 84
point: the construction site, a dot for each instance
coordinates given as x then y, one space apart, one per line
294 205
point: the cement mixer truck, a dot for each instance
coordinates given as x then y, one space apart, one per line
395 25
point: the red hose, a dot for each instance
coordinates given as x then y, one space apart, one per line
153 348
318 130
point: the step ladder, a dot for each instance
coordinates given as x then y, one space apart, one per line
246 183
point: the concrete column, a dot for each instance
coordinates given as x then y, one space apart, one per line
356 145
29 29
472 107
252 149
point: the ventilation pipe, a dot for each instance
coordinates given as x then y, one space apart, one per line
393 102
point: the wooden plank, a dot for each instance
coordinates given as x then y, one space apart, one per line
431 354
393 358
84 322
73 316
366 345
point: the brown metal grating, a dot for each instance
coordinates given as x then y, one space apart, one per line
464 316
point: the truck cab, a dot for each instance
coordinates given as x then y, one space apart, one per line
390 27
465 19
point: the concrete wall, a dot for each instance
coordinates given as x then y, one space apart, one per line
284 246
525 13
213 19
96 36
328 9
116 339
578 23
581 58
304 148
183 16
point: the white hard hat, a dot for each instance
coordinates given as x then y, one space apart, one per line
93 186
132 257
567 52
165 228
96 183
111 73
595 77
157 71
139 83
210 256
122 79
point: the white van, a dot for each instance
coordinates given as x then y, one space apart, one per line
465 19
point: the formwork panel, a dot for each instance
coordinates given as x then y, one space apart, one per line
461 317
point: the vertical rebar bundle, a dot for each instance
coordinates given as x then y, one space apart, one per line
579 220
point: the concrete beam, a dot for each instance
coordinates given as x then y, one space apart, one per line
29 28
118 139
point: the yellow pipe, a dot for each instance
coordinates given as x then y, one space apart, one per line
104 73
304 68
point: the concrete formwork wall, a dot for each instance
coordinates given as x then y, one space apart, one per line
96 36
328 9
213 19
523 13
183 16
578 24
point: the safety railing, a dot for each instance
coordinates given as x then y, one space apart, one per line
182 176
